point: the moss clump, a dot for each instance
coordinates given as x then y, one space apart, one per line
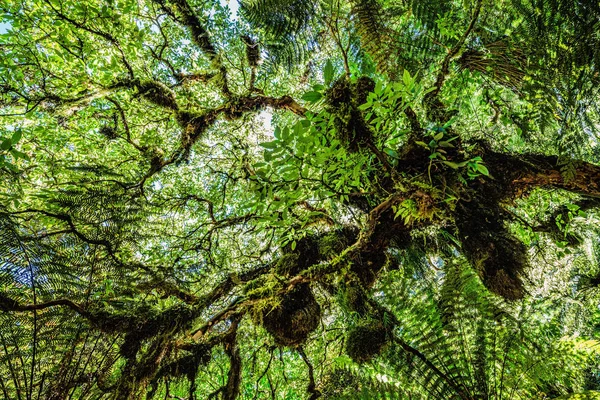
306 253
157 93
334 242
497 256
343 99
339 94
367 267
297 315
109 132
355 299
194 126
312 249
366 340
287 264
140 323
197 355
363 86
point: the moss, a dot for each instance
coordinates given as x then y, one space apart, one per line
333 243
263 287
313 249
198 355
367 267
339 93
297 315
252 50
109 132
363 86
194 126
157 93
497 256
287 264
343 99
141 323
7 304
307 252
355 299
366 340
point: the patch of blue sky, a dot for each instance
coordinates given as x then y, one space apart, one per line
233 5
4 27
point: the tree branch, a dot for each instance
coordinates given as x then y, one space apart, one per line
201 38
312 387
7 304
434 105
234 377
529 171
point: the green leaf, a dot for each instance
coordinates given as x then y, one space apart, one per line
450 122
438 136
328 72
298 129
483 169
406 78
270 145
18 154
16 136
451 164
391 152
445 143
378 88
6 144
572 207
312 97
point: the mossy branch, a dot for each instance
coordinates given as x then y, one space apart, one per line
200 37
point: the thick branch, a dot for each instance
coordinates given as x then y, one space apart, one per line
372 240
234 377
8 304
195 125
73 229
525 172
201 38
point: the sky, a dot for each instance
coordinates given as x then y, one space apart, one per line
4 27
233 6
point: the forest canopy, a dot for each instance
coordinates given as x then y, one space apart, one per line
299 199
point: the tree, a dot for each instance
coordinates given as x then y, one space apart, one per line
299 199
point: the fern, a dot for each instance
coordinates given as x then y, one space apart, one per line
286 28
464 344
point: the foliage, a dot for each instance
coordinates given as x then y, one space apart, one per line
299 199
